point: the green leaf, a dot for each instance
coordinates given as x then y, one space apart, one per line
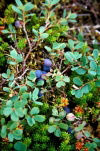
62 114
32 76
54 112
14 117
96 140
17 10
57 132
64 13
80 71
60 84
72 56
17 134
23 89
84 60
19 58
11 78
58 45
44 35
4 75
94 145
29 83
40 83
77 81
48 48
17 104
86 88
97 83
79 128
13 54
78 93
66 79
98 70
63 126
6 89
79 45
35 110
3 131
10 137
39 118
71 43
18 2
11 28
52 129
93 73
11 62
95 53
13 125
35 32
86 133
93 65
35 94
58 78
7 111
30 121
80 37
74 68
73 16
19 146
25 96
38 103
5 31
19 112
42 29
53 2
2 121
28 6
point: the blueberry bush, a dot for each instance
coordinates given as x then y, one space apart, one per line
49 80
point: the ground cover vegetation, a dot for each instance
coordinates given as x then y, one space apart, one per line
49 79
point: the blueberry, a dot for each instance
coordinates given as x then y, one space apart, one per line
69 130
47 62
40 94
67 109
46 68
38 73
18 24
44 72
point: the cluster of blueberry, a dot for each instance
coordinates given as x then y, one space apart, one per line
40 73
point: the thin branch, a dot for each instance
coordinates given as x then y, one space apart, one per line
29 43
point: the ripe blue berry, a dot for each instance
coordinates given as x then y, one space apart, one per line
18 24
38 73
44 72
46 68
67 109
40 94
47 62
69 130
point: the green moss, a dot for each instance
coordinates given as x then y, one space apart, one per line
65 147
27 141
21 43
9 15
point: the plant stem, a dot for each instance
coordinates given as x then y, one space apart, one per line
29 43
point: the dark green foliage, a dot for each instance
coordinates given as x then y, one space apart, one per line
21 43
39 96
2 59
